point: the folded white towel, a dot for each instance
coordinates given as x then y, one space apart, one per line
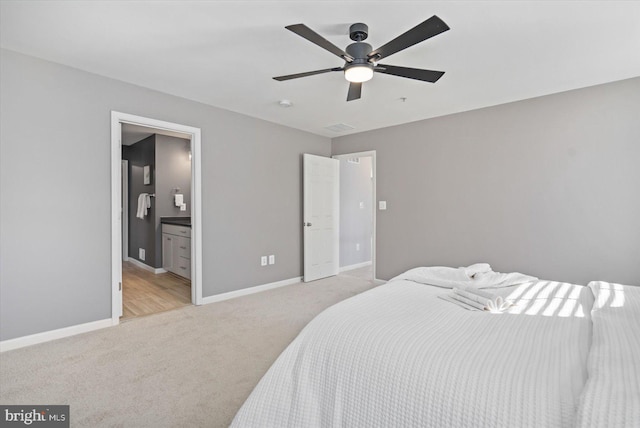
477 305
479 300
498 280
447 277
499 305
440 276
449 298
144 203
476 268
475 295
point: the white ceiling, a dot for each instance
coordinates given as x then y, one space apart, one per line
225 53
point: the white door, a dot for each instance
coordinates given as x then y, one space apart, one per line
321 216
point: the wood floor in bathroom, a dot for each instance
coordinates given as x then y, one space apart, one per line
145 293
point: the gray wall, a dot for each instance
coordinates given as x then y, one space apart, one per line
356 187
173 170
142 232
548 186
55 156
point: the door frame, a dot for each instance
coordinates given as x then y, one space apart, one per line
125 209
117 119
372 155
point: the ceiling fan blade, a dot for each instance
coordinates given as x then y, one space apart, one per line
306 32
308 73
421 32
410 73
355 90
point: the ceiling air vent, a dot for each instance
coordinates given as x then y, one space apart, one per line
339 127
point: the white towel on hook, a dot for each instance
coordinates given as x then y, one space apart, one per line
144 203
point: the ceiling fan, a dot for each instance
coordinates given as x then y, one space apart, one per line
361 61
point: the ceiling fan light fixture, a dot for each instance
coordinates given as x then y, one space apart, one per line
361 61
358 73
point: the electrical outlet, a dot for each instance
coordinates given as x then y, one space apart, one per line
263 261
357 247
272 259
141 254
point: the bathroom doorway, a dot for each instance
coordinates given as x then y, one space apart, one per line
358 214
156 233
156 221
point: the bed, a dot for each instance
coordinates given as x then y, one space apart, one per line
399 355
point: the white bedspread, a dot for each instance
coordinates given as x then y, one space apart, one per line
398 356
611 397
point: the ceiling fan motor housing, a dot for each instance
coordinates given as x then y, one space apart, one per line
359 52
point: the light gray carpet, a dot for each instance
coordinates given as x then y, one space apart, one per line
193 366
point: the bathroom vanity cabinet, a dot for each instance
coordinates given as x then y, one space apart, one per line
176 249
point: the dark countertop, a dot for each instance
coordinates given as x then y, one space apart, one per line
178 221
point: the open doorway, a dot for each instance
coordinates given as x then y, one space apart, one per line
156 220
357 214
156 226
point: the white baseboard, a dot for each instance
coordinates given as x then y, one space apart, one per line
145 266
356 266
250 290
46 336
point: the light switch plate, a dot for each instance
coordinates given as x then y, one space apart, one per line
382 205
263 261
272 259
